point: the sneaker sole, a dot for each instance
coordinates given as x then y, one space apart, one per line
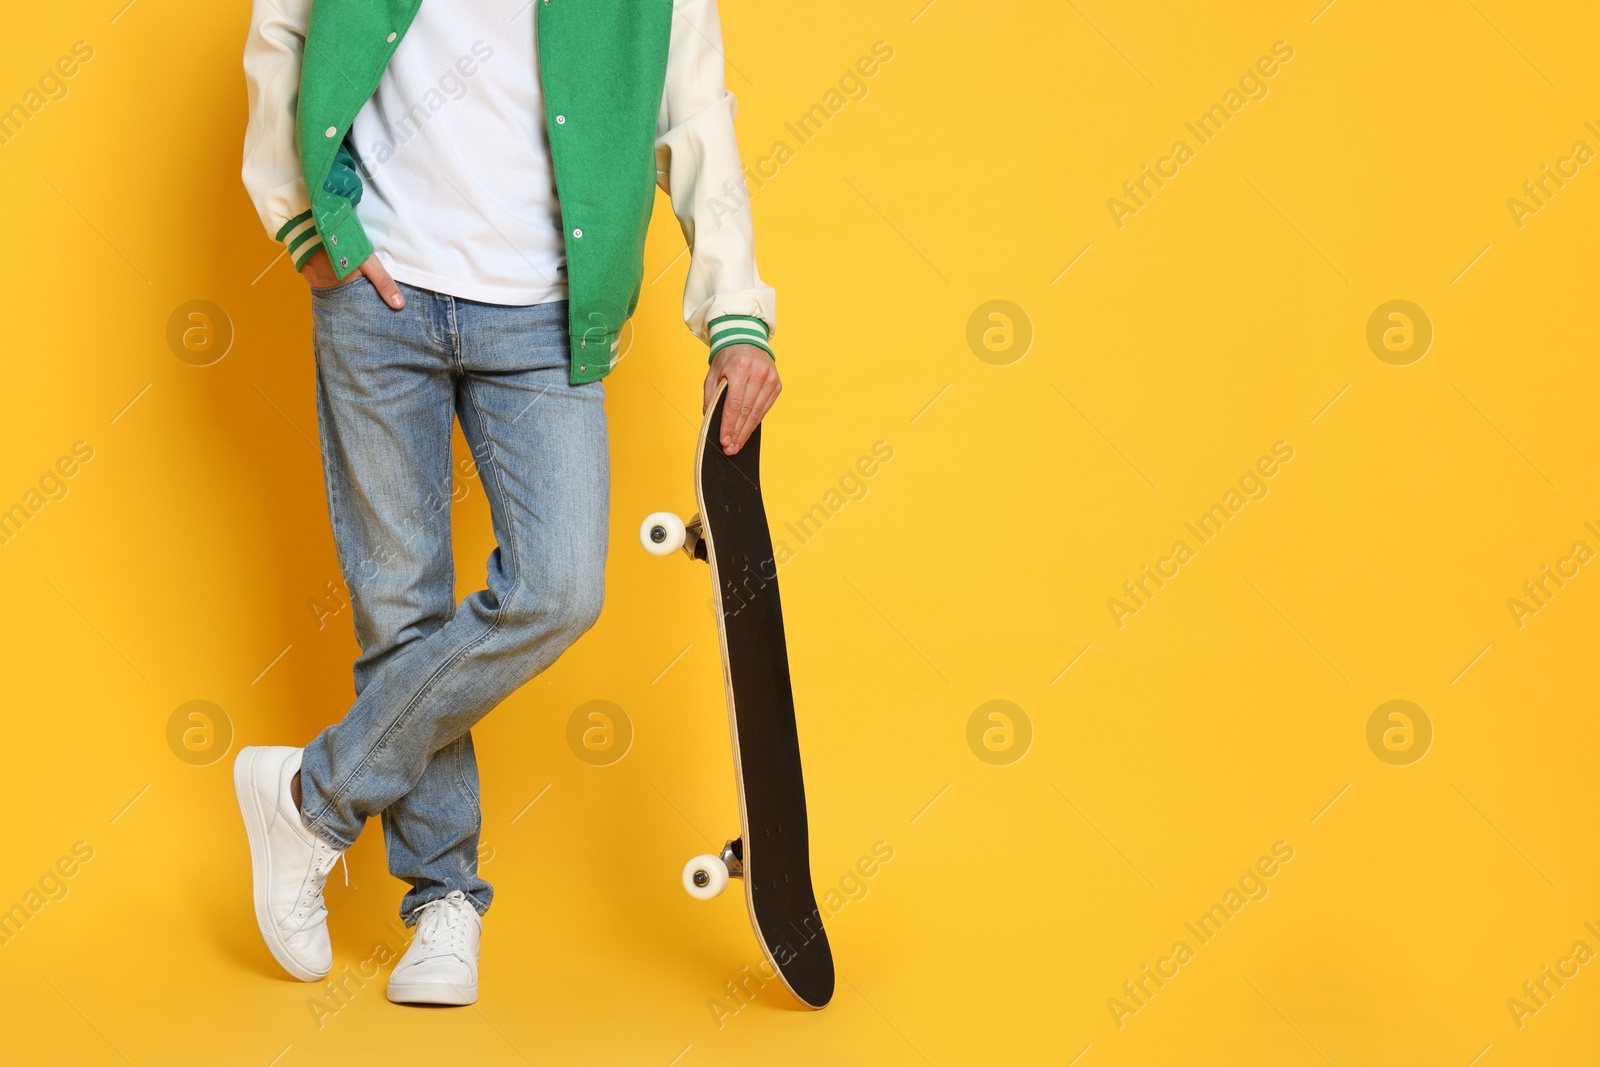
432 993
255 829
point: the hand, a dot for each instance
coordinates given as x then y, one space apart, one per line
753 385
318 272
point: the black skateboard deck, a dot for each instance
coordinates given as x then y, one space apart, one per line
774 846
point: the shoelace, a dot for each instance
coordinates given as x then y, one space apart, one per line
323 859
442 926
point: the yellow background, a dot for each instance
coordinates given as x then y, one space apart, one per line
1228 714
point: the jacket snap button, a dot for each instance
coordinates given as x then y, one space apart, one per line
333 131
577 233
390 38
561 120
335 240
583 368
344 261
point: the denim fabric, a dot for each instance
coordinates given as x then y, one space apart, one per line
389 384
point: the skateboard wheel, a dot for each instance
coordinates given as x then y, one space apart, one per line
705 877
661 533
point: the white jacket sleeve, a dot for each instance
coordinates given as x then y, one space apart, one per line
271 171
697 163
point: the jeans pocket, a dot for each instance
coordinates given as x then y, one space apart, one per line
330 290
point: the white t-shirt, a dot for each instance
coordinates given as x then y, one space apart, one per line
459 194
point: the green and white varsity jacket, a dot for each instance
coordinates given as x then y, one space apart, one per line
625 83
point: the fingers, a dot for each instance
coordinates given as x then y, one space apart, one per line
730 412
764 400
749 415
767 394
753 385
318 270
379 277
713 379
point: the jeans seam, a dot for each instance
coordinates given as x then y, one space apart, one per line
461 778
455 336
499 488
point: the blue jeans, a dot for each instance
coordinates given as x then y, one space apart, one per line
389 384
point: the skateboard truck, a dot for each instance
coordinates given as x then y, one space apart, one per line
707 875
662 532
733 857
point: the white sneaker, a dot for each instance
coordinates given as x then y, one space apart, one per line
441 965
288 862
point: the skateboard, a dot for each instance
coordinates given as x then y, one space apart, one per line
771 855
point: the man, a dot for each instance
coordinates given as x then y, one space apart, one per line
410 157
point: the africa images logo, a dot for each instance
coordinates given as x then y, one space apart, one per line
1252 85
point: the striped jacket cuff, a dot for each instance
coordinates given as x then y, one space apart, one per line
300 236
739 330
